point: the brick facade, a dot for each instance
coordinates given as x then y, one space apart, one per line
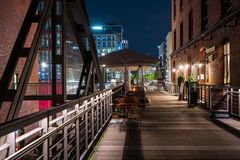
221 28
12 13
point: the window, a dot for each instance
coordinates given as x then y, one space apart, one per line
181 34
174 40
226 6
104 38
226 63
190 25
104 44
174 10
58 72
204 14
181 5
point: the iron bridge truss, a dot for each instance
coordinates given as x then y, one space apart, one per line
73 12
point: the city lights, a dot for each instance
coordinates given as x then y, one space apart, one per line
43 64
97 28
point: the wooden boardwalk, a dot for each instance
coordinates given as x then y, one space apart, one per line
169 130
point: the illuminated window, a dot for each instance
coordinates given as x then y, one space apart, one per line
227 63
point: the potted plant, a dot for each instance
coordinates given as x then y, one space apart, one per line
189 80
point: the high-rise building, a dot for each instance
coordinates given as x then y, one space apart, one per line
206 41
109 38
169 49
165 50
163 58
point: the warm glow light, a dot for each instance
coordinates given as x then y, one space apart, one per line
174 70
200 65
181 67
186 66
104 65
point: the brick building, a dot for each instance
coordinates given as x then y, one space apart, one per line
206 41
12 13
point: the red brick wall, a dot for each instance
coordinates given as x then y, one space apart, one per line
229 30
12 13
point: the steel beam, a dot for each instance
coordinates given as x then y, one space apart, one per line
27 70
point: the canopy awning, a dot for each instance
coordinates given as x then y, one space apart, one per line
127 57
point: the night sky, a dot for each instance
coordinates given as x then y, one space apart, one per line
145 22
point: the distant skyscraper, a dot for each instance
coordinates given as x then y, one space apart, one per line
165 49
109 38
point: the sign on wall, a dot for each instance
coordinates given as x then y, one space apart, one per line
210 54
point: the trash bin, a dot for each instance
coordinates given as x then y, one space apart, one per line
192 93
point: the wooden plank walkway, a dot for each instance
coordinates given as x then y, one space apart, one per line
169 130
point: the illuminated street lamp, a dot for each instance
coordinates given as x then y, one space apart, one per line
181 67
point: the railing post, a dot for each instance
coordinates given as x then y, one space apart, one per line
44 125
77 133
65 135
231 102
238 102
92 110
97 113
107 106
11 140
101 109
201 95
104 107
110 98
86 124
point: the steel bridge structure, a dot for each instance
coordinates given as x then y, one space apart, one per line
69 129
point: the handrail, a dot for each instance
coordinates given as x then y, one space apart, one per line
40 140
83 119
7 127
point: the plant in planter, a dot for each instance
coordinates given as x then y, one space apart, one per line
189 80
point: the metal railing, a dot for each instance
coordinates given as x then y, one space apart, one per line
45 88
204 95
171 88
65 132
233 98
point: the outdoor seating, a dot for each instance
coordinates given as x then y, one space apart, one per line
129 106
